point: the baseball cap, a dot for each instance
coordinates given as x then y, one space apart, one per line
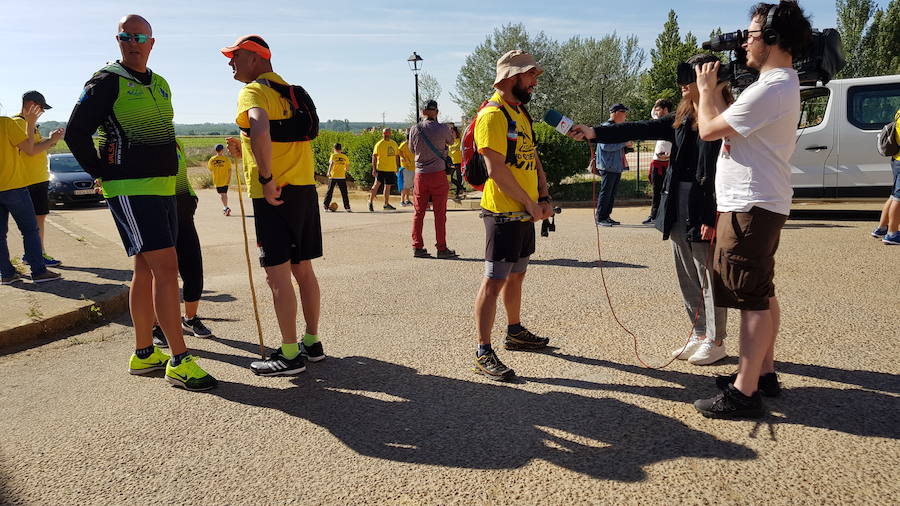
617 108
253 43
515 62
219 147
37 98
430 105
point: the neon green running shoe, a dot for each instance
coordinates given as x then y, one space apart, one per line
189 376
155 362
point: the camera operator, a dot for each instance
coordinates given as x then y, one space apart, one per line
753 195
687 208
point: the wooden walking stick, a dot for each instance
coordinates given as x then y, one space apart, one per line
240 192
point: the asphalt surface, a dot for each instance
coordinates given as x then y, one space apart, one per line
395 414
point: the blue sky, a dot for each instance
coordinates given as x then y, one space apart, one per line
349 54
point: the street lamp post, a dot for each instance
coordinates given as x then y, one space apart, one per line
415 64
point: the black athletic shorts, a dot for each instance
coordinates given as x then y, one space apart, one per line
222 189
387 177
507 242
145 222
291 231
40 197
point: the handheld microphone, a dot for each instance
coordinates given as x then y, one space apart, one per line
561 123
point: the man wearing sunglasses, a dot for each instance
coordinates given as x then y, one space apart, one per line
131 106
753 195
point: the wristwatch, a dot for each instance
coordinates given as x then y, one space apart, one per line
545 198
264 180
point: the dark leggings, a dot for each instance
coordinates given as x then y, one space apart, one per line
342 185
457 179
187 246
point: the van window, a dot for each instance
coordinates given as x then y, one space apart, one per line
814 102
871 107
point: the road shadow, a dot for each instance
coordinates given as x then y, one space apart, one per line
69 289
217 297
852 411
100 272
392 412
560 262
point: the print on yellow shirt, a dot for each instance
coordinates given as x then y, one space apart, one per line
491 131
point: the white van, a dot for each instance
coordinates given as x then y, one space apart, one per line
836 154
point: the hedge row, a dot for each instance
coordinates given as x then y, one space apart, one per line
561 156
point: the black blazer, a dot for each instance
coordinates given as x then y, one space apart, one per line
689 154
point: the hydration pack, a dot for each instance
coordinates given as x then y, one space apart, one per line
474 168
303 125
887 138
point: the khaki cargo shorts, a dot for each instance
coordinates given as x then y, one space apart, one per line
744 259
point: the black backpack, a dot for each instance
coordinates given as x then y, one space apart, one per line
303 125
887 138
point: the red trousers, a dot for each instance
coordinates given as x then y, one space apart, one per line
432 186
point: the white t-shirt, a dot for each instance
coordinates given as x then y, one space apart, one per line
664 147
754 167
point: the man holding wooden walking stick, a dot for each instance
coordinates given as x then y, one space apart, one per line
277 122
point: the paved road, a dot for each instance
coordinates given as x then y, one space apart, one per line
396 416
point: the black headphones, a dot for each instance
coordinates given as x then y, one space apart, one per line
769 35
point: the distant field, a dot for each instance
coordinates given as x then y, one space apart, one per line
197 148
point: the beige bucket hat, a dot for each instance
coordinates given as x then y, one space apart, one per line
515 62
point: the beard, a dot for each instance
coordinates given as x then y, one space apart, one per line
521 93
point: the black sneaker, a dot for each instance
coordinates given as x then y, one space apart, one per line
768 383
159 338
446 253
491 366
371 208
648 221
313 352
731 403
195 326
388 207
45 276
614 222
421 253
524 340
277 365
8 280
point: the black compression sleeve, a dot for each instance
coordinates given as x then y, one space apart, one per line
654 129
94 105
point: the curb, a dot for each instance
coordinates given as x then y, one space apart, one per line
110 305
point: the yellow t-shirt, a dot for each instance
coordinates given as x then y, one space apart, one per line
406 157
491 132
292 162
35 167
220 166
339 164
897 133
387 152
455 151
12 174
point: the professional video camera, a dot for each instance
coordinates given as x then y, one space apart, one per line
823 59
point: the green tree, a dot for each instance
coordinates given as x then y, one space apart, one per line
881 43
429 89
852 18
588 66
476 77
659 81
